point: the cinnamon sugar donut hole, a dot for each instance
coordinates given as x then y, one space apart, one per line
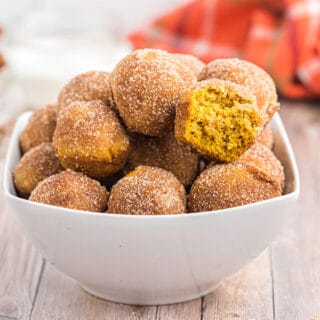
250 76
90 138
146 86
266 137
192 62
73 190
147 191
88 86
40 128
37 164
219 119
257 175
262 157
163 152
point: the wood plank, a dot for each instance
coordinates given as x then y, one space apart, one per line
246 295
61 298
20 268
296 256
181 311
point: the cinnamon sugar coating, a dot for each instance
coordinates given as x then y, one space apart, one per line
37 164
146 86
89 86
40 128
192 62
176 109
163 152
262 157
73 190
90 138
266 137
147 190
257 175
250 76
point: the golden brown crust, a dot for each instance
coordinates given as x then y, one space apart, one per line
266 137
89 86
40 128
250 76
146 87
73 190
262 157
37 164
163 152
256 176
90 138
147 190
224 116
192 62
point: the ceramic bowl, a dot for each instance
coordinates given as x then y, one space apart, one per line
150 260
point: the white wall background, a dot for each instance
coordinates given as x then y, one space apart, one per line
126 13
49 41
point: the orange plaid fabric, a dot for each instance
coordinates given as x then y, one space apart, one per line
281 36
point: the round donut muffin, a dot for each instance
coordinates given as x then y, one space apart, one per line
73 190
220 119
147 190
40 128
195 64
146 86
262 157
250 76
37 164
90 138
257 175
89 86
266 137
165 153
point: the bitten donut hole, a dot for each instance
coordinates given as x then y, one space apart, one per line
221 122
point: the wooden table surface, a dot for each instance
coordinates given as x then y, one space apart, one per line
282 283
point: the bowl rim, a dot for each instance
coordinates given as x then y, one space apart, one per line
14 140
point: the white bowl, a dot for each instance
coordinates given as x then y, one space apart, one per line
151 260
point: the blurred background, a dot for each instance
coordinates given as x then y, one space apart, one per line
44 43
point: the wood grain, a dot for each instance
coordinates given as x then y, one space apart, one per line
60 297
296 255
181 311
20 268
246 295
